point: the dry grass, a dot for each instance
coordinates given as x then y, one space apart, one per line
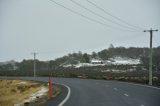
15 91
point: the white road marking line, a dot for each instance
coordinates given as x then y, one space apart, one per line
126 94
68 94
115 89
142 105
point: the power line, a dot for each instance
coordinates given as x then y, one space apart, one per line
88 18
101 15
98 7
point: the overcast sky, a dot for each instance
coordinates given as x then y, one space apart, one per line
42 26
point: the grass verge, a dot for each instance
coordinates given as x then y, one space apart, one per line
22 92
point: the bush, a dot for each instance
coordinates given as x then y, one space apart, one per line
13 90
22 88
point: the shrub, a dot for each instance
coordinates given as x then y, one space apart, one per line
21 88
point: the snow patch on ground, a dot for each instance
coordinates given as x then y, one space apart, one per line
23 82
42 92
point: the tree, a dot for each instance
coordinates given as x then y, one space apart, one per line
104 54
111 46
94 55
86 58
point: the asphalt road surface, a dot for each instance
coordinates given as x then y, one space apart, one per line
87 92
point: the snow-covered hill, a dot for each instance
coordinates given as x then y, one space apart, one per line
111 61
124 60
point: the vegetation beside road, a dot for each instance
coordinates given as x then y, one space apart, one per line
21 92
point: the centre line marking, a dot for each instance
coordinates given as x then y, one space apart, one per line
126 94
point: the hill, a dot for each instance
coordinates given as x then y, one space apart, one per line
113 56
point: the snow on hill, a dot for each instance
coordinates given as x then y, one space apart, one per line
87 65
120 60
83 65
111 61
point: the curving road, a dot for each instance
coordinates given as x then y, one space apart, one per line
86 92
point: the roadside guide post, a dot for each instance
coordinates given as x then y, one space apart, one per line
50 88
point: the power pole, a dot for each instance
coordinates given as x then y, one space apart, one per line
150 60
34 54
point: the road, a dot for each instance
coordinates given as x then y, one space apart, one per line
109 93
87 92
